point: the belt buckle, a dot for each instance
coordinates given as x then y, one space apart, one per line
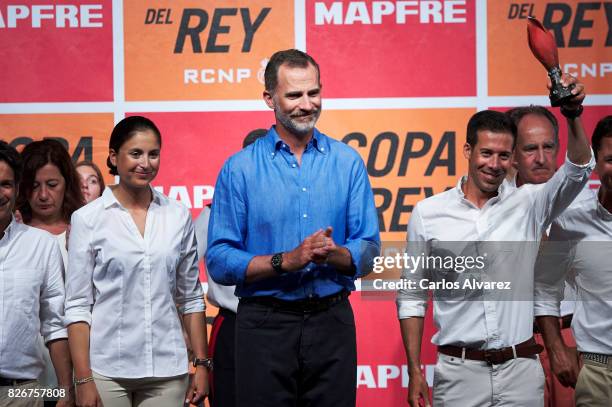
494 357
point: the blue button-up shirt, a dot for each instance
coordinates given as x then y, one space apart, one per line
265 203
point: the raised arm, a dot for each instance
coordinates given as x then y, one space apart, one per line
578 147
557 194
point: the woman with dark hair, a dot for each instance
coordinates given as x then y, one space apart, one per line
133 274
92 182
50 190
49 193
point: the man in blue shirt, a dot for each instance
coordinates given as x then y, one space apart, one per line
293 224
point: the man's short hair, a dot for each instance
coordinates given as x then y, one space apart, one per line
293 58
603 129
518 113
496 122
253 136
9 155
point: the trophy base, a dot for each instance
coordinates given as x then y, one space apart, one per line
559 94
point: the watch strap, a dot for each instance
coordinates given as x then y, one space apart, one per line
277 263
206 362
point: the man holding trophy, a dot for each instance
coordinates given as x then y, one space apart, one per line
486 351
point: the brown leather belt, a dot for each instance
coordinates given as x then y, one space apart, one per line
526 349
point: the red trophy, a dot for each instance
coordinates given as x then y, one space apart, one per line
542 45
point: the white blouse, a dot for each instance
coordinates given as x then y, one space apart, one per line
127 287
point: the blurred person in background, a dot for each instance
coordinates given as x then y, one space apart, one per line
92 181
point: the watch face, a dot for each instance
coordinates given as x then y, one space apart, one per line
277 260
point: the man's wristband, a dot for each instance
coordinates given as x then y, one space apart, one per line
83 380
571 113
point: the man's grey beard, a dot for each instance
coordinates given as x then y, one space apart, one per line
293 126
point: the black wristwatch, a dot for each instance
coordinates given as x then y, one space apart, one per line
277 263
207 363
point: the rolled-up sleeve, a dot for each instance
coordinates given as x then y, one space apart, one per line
226 256
363 238
189 295
52 298
79 274
413 302
551 269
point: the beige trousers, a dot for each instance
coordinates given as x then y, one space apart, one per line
145 392
472 383
594 386
7 401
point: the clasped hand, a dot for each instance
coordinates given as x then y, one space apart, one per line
316 248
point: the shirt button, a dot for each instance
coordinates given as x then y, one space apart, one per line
304 189
322 148
305 215
294 165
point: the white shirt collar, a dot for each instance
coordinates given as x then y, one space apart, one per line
109 199
505 188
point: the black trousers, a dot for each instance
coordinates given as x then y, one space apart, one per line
222 348
289 358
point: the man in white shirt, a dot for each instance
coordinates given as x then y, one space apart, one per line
580 250
31 300
486 351
535 159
